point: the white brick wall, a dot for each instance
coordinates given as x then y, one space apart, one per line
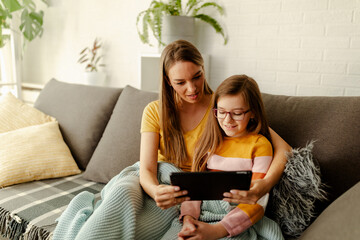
291 47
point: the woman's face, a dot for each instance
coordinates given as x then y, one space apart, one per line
187 79
236 105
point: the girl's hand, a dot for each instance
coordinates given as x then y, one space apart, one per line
258 189
167 196
189 227
202 230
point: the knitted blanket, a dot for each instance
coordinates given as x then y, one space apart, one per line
126 212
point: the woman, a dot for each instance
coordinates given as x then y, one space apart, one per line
179 117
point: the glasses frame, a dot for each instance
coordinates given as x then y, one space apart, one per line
230 114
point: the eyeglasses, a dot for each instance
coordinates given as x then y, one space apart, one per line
236 116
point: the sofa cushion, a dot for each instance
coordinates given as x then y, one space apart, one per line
339 221
119 146
292 201
333 122
82 111
34 153
15 114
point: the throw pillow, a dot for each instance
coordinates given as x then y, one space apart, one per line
15 114
82 112
292 202
119 146
34 153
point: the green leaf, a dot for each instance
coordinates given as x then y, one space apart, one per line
214 24
30 5
47 2
12 5
190 5
31 24
2 42
210 4
144 37
174 8
156 26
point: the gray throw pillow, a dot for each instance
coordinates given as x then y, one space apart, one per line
292 201
82 112
119 146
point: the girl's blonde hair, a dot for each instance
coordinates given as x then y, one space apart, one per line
213 134
174 144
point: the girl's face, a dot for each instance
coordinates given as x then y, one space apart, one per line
187 79
236 105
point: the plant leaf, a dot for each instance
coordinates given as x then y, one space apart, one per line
12 5
209 4
214 24
31 25
84 50
83 60
82 57
30 5
151 18
144 36
190 5
46 2
174 8
156 24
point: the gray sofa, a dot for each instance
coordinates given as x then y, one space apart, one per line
101 127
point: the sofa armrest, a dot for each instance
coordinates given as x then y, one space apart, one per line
340 220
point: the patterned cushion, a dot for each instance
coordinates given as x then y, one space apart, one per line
33 153
15 114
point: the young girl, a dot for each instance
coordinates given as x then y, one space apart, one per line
237 138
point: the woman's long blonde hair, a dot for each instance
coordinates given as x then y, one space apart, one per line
174 143
212 137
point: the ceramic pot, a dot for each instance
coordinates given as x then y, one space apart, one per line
95 78
178 27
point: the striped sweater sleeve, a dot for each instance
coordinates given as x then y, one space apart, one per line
191 208
245 215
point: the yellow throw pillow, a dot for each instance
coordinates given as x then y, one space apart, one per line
15 114
34 153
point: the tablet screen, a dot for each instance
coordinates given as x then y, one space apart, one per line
210 185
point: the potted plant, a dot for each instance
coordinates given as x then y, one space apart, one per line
91 57
153 17
31 20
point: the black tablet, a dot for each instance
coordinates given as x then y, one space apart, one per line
210 185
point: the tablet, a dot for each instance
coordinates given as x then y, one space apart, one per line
210 185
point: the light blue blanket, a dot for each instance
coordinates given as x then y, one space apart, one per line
126 212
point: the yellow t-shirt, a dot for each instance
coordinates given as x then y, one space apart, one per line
151 123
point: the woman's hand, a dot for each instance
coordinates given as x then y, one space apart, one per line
197 230
258 189
167 196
